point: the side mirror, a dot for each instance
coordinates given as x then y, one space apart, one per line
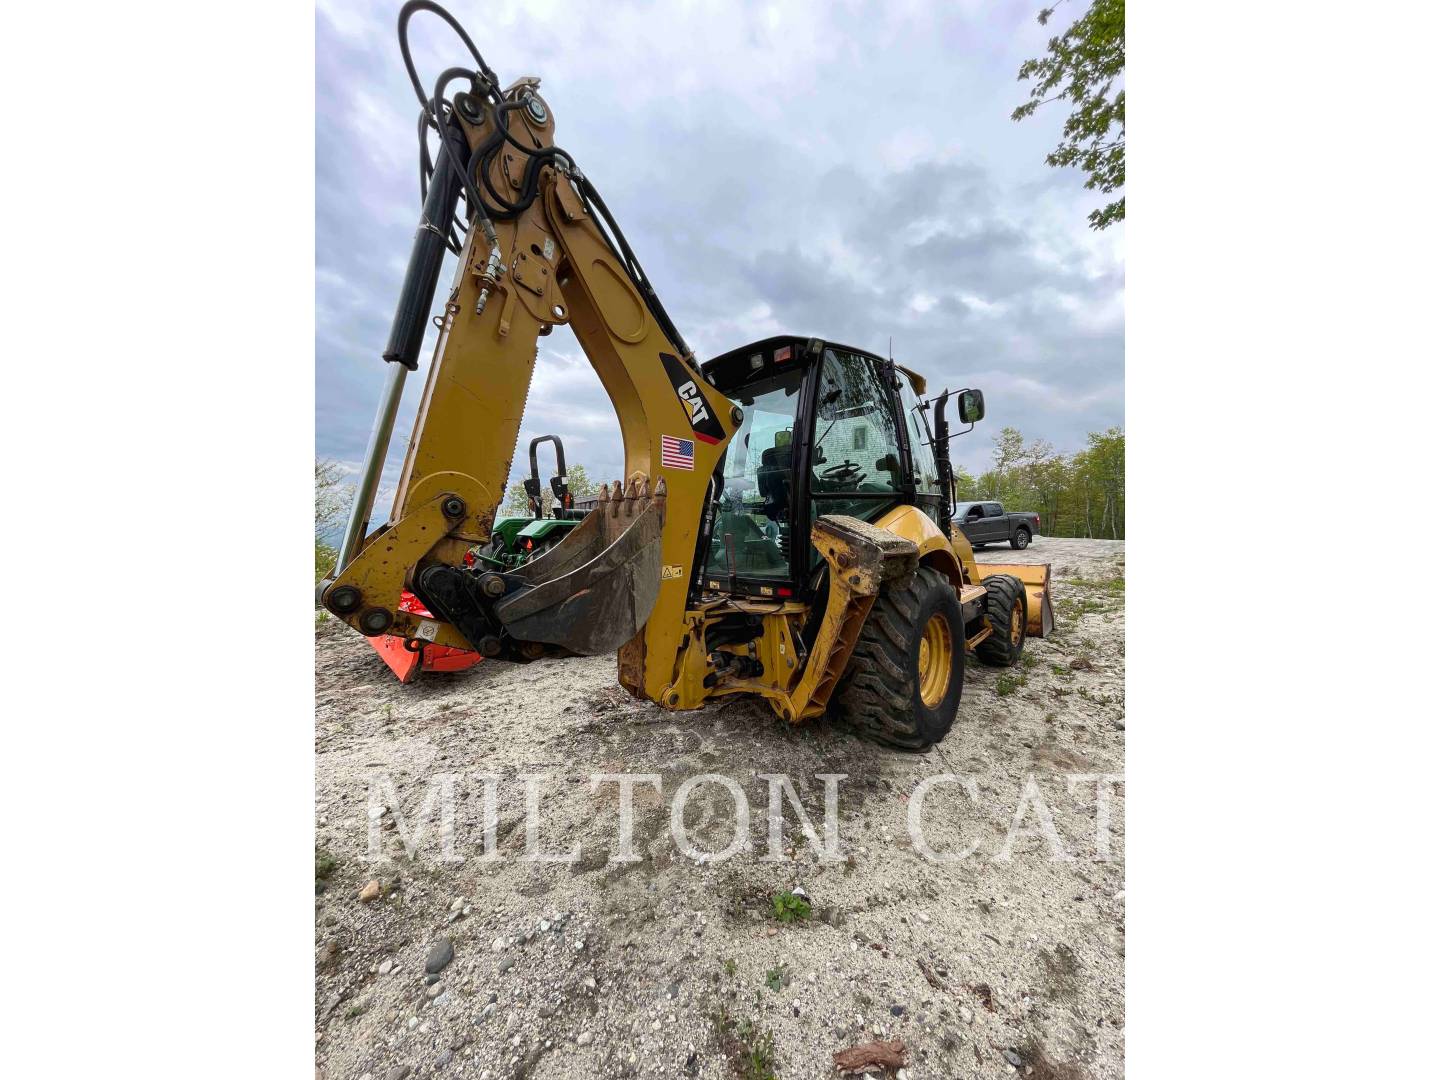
972 406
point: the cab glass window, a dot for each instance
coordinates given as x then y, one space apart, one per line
752 528
922 453
856 449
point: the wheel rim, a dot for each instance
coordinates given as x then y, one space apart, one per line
937 655
1024 539
1017 624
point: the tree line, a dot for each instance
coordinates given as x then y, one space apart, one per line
332 500
1079 495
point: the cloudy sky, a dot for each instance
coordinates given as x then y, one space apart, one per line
843 170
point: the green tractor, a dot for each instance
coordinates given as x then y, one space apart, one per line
517 540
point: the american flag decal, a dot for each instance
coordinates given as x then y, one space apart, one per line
677 453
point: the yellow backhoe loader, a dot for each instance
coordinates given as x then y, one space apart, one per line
783 526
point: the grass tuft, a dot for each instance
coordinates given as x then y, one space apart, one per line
789 907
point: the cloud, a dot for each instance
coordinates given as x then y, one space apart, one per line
826 169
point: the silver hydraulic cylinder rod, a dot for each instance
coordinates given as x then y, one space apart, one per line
373 465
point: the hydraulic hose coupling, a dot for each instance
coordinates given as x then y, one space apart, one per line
488 279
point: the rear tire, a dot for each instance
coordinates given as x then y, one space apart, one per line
1005 603
903 685
1021 539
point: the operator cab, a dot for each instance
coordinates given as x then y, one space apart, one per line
827 429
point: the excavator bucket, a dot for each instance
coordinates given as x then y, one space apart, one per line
594 590
1036 578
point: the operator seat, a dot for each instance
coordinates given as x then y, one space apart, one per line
773 477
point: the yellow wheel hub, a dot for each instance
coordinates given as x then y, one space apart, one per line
1017 625
937 656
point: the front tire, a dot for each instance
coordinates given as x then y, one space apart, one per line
903 685
1007 611
1021 539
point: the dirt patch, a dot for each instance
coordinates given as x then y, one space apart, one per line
598 967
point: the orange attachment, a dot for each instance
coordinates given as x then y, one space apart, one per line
408 665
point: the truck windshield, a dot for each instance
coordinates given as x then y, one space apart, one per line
753 524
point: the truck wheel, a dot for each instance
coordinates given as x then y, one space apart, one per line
1006 609
903 685
1021 539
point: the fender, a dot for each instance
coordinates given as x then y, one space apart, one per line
933 545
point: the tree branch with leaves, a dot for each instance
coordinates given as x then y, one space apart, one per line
332 500
1083 66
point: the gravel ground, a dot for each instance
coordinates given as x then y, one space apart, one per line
1007 960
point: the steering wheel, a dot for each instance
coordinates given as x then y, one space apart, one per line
847 472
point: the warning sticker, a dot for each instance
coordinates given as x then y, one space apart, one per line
670 573
428 629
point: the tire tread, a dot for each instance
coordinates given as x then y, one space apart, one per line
877 695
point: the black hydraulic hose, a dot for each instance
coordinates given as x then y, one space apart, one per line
461 177
485 154
437 115
426 5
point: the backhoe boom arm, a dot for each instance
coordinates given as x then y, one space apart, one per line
619 580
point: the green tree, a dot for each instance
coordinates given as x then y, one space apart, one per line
517 503
1104 461
1079 495
965 485
332 499
1047 475
1009 452
1082 66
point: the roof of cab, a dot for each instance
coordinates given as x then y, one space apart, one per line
917 381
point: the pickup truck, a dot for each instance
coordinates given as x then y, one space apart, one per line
988 523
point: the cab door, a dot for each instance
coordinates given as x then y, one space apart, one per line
854 460
930 494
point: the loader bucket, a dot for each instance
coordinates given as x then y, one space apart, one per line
594 590
1036 579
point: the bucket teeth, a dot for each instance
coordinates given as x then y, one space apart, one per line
595 590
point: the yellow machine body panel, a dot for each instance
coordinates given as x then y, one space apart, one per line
932 546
